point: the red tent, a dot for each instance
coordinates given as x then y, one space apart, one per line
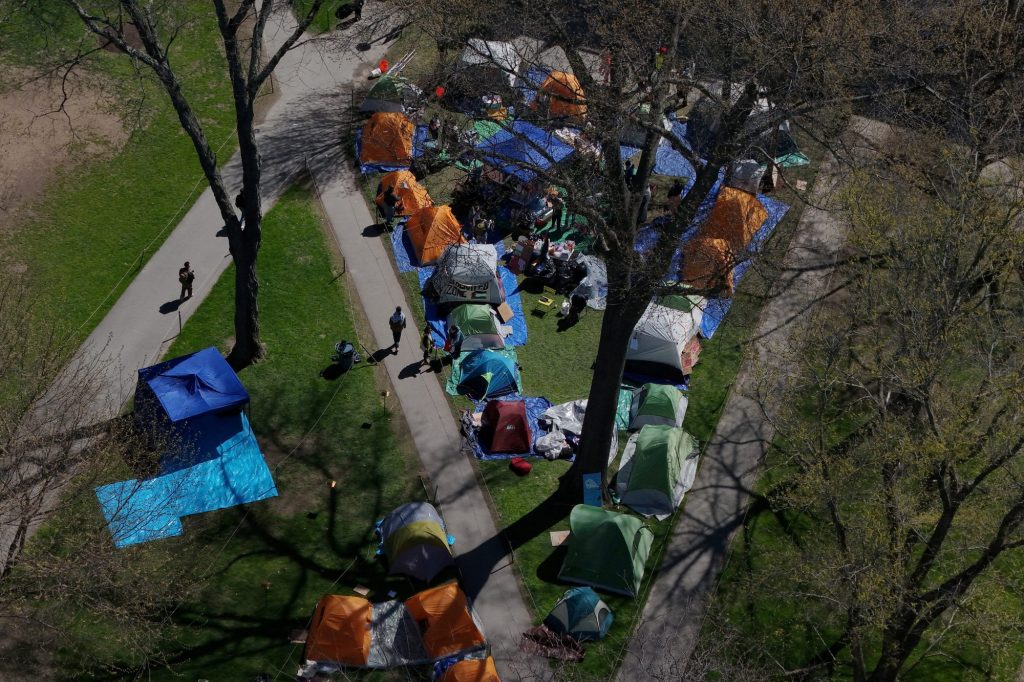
505 428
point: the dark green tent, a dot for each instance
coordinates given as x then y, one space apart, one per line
607 550
390 93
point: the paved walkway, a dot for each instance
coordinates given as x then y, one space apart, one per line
304 128
715 506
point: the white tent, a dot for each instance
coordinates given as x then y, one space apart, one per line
496 55
661 334
466 273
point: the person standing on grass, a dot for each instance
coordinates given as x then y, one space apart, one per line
557 208
185 277
397 324
455 341
427 343
390 202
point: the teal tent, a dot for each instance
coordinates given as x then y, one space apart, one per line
487 374
581 614
658 467
607 550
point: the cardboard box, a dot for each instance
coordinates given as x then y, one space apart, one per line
505 312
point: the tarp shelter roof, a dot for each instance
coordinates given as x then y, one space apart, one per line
412 195
340 630
391 94
581 614
658 467
447 624
194 385
487 374
505 426
500 55
661 335
736 217
658 404
522 148
415 541
471 670
433 229
607 550
387 138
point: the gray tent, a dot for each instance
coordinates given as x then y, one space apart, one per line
466 273
415 541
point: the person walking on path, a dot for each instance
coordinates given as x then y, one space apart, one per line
185 277
427 343
397 324
454 342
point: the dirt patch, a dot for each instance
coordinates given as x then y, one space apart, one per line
48 126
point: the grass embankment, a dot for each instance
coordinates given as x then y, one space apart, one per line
312 538
95 227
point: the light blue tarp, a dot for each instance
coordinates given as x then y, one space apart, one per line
190 386
419 137
535 407
140 511
523 147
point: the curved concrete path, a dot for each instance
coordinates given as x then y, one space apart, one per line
304 129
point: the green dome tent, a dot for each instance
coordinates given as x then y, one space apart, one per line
392 94
415 541
607 550
581 614
477 323
658 467
657 404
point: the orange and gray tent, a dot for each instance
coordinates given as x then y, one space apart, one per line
445 620
736 217
412 195
415 541
339 632
471 670
432 230
708 264
387 138
564 95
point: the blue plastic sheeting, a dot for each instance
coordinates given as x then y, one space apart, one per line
405 256
668 161
626 152
535 407
140 511
419 136
716 308
531 83
523 147
192 385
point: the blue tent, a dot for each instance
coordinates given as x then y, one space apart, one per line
522 148
486 374
190 386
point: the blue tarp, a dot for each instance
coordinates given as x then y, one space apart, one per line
419 137
535 407
192 385
667 161
405 256
140 511
436 320
716 308
523 147
531 83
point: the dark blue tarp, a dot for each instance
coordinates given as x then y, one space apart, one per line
405 256
140 511
535 407
667 161
436 320
523 147
192 385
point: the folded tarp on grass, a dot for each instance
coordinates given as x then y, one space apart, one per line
716 308
419 137
535 407
436 320
140 511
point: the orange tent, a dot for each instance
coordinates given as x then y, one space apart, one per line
443 615
735 217
564 95
471 670
432 230
707 264
387 138
411 193
340 630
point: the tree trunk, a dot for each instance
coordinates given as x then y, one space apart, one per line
248 348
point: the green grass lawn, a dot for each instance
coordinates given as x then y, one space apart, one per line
311 539
94 228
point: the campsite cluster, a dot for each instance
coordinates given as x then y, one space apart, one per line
505 231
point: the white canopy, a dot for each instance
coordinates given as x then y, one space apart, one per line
662 333
503 56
